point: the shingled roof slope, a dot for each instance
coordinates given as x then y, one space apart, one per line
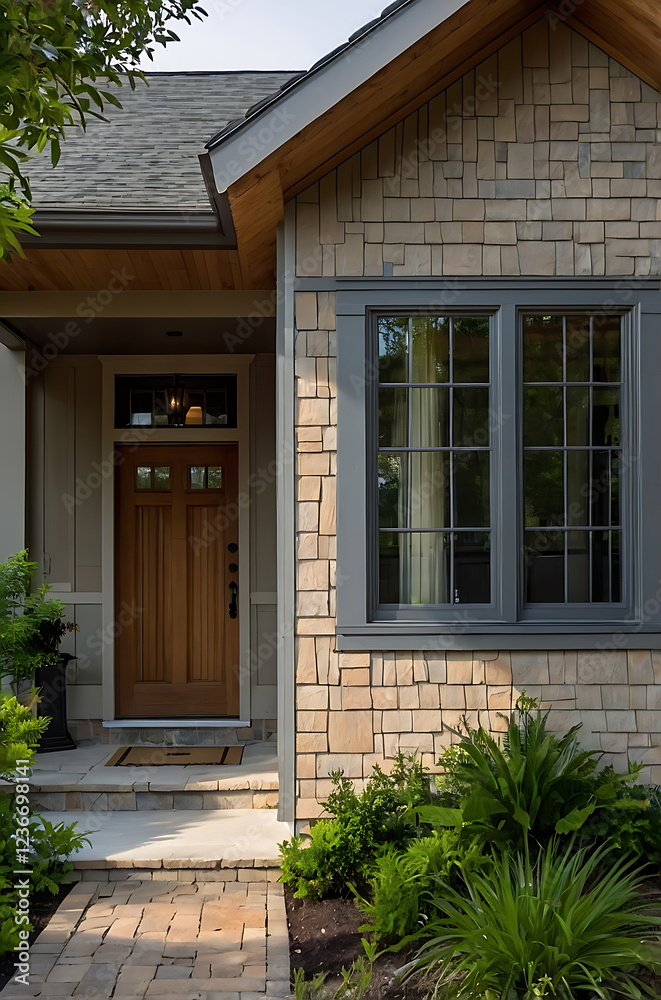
145 157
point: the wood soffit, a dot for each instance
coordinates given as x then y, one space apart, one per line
629 30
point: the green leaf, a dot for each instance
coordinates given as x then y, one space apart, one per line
575 819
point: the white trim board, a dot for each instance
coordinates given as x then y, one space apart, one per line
208 364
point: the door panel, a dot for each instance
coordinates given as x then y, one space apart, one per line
178 654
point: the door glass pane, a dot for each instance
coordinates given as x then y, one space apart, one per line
578 348
606 417
472 567
414 567
143 477
615 489
393 349
431 349
471 489
429 500
197 477
545 567
430 418
542 417
215 477
470 418
544 488
393 418
578 567
470 350
606 366
542 348
162 477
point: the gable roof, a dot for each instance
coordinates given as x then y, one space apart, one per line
392 65
146 155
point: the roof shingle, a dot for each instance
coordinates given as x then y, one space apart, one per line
145 157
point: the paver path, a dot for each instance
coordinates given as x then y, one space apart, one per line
164 934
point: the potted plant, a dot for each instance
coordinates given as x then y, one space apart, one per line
31 629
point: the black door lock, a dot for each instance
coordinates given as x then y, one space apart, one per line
232 604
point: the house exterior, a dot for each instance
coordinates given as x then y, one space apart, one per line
441 470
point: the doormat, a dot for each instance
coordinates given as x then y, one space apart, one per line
181 756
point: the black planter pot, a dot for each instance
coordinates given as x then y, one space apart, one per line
53 684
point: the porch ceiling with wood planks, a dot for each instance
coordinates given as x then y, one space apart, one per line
146 268
629 30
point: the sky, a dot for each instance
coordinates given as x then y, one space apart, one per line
263 34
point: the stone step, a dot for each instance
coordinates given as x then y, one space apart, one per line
196 839
117 798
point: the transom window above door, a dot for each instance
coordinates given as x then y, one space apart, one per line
200 401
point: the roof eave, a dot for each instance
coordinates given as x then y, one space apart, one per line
72 227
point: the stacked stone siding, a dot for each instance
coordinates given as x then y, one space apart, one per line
541 161
553 171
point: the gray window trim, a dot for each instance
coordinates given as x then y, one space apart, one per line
356 626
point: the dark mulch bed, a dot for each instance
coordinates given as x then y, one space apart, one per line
324 936
42 907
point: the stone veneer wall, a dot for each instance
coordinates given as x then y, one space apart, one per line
541 161
553 172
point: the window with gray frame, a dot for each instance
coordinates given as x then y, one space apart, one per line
498 480
448 504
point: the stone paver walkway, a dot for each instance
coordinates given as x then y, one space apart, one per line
161 934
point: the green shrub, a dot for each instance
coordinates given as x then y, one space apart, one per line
632 824
50 846
340 849
401 880
537 783
31 625
567 926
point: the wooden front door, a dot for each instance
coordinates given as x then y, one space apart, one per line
176 552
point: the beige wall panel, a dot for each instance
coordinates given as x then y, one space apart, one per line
12 452
59 473
263 537
91 466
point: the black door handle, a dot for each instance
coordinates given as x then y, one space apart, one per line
232 604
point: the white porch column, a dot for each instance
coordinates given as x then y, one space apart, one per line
12 451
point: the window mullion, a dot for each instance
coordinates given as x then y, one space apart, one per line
507 485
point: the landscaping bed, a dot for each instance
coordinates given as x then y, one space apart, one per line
43 905
525 870
325 937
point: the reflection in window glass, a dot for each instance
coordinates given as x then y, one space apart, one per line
571 458
143 477
197 477
214 477
434 461
162 477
